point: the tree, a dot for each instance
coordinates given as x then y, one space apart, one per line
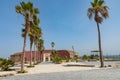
25 10
37 37
41 47
56 57
92 56
85 57
100 12
5 64
33 29
52 45
76 57
38 34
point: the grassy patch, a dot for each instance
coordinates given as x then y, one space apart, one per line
30 66
21 72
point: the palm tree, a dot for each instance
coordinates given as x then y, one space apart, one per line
100 12
38 32
41 48
31 35
24 9
31 43
52 45
38 36
32 31
76 57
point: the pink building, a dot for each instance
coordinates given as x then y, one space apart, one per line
45 56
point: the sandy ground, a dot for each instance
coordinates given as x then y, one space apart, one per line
7 72
50 71
50 68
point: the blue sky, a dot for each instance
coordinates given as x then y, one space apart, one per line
64 22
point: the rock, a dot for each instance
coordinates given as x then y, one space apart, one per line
114 66
5 75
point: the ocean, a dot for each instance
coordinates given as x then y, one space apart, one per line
112 56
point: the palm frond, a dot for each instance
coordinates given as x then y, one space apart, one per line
98 10
18 9
105 15
90 13
95 1
93 5
101 2
36 10
23 5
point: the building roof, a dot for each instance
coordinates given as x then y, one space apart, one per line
47 51
62 53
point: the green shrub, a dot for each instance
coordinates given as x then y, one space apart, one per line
85 57
5 64
76 57
30 66
58 60
67 59
21 72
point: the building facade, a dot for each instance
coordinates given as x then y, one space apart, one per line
43 57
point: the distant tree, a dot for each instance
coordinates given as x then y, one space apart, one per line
56 57
52 45
73 48
91 56
85 57
41 47
66 58
53 54
99 11
76 57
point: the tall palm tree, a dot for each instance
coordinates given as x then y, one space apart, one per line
31 35
38 36
41 48
24 9
100 12
52 45
38 31
32 31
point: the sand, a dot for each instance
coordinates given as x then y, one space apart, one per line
51 67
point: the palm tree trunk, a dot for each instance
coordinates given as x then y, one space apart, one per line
30 53
23 54
40 56
100 49
37 53
24 47
34 55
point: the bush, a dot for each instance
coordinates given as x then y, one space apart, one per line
66 58
5 64
85 57
30 66
21 72
57 60
76 57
